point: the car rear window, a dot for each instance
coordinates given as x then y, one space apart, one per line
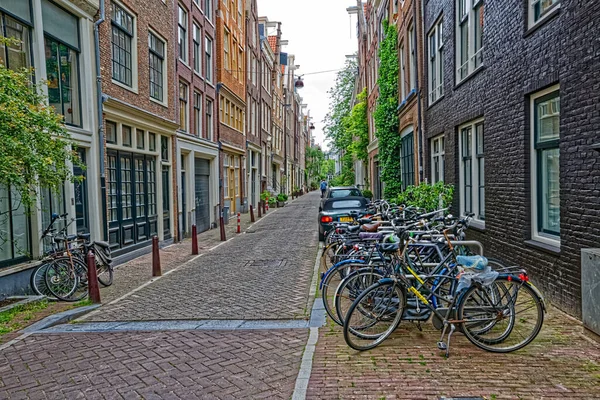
336 205
344 193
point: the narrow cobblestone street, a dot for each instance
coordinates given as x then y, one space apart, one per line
202 332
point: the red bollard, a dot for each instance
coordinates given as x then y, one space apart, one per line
194 240
222 225
252 214
239 226
156 270
267 207
93 288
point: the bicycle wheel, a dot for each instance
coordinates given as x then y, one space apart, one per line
352 286
66 279
105 274
503 317
330 283
374 315
327 255
38 280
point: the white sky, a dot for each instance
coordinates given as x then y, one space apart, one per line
320 35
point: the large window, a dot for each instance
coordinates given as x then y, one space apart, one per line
183 106
209 120
182 23
156 62
539 9
226 49
122 39
198 114
208 9
61 40
437 159
469 37
14 228
546 165
197 49
472 169
411 54
407 159
18 55
436 62
208 63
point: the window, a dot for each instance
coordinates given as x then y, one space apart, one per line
411 57
539 9
226 176
198 114
469 37
254 71
139 139
209 120
208 9
18 55
62 61
183 103
545 161
407 159
182 36
126 135
241 64
472 169
402 73
226 45
111 132
15 225
164 148
208 65
151 141
156 62
234 68
122 38
436 63
437 159
197 49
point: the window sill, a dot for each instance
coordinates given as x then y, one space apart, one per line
545 19
436 101
407 99
124 86
184 63
477 225
470 76
198 75
161 103
548 248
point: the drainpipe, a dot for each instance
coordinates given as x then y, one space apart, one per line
420 128
100 120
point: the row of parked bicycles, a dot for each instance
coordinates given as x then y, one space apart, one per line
63 272
400 264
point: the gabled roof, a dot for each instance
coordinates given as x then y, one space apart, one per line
273 43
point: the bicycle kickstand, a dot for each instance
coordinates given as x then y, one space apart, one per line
446 345
452 329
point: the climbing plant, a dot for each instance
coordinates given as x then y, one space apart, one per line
359 128
386 116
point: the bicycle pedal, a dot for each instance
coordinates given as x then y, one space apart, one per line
442 346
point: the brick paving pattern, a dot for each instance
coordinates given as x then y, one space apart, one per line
560 364
153 365
264 273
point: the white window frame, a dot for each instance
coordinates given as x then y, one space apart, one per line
209 52
477 221
182 54
436 62
197 43
474 56
531 22
165 93
134 53
411 58
440 156
209 118
535 234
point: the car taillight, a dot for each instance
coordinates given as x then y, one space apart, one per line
325 219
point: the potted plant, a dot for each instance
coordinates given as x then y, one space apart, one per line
281 199
272 202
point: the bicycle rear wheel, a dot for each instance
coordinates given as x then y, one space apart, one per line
38 280
66 279
503 317
330 283
374 315
352 286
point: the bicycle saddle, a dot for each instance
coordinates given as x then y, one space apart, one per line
389 247
353 228
371 227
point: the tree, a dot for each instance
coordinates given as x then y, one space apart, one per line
386 115
314 161
35 148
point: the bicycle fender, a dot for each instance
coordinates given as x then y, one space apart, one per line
328 272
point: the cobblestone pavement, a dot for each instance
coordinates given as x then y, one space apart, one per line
153 365
562 363
263 273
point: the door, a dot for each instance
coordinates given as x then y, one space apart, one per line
183 203
141 203
126 186
166 202
232 191
81 199
202 194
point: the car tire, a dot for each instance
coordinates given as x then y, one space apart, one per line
321 237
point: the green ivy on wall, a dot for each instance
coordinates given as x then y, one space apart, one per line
386 116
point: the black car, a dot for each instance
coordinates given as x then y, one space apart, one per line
340 210
337 192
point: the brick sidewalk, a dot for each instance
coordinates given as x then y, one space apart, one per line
561 363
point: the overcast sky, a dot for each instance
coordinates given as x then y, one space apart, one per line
320 35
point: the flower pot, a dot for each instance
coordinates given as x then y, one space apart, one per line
280 203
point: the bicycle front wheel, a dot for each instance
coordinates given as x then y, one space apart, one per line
38 280
351 287
66 279
374 315
330 283
503 317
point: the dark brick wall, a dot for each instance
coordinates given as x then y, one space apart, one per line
564 50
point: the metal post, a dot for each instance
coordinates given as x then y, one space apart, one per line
194 240
252 214
93 288
260 206
239 226
156 270
222 225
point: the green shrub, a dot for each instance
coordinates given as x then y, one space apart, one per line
427 196
367 193
272 201
265 196
282 197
